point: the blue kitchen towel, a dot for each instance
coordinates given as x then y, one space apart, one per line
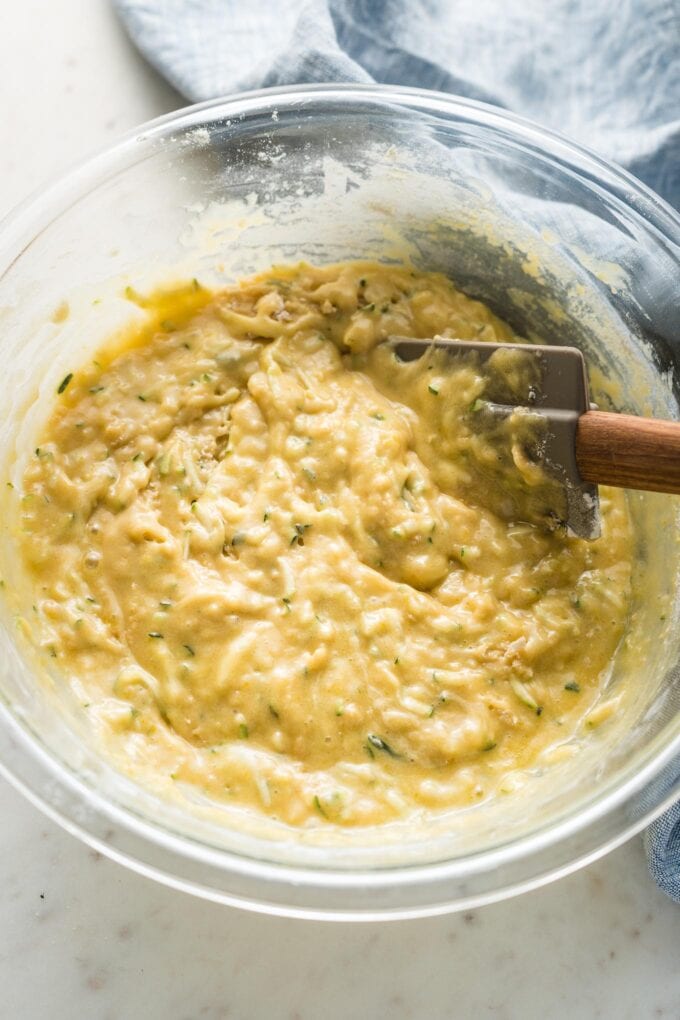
605 72
662 838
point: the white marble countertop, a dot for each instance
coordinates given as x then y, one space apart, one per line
81 937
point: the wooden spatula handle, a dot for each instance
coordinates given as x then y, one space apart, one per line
630 452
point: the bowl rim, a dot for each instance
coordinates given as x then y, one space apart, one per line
35 777
494 115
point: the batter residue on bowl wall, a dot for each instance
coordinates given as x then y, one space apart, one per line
269 556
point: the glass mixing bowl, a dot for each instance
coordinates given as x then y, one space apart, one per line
560 243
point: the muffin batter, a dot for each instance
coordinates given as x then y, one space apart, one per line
273 563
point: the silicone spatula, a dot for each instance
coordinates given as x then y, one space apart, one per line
581 447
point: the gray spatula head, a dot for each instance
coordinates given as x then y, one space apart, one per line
557 390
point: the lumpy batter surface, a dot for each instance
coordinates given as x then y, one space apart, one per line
270 559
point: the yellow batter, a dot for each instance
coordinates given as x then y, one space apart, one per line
266 558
